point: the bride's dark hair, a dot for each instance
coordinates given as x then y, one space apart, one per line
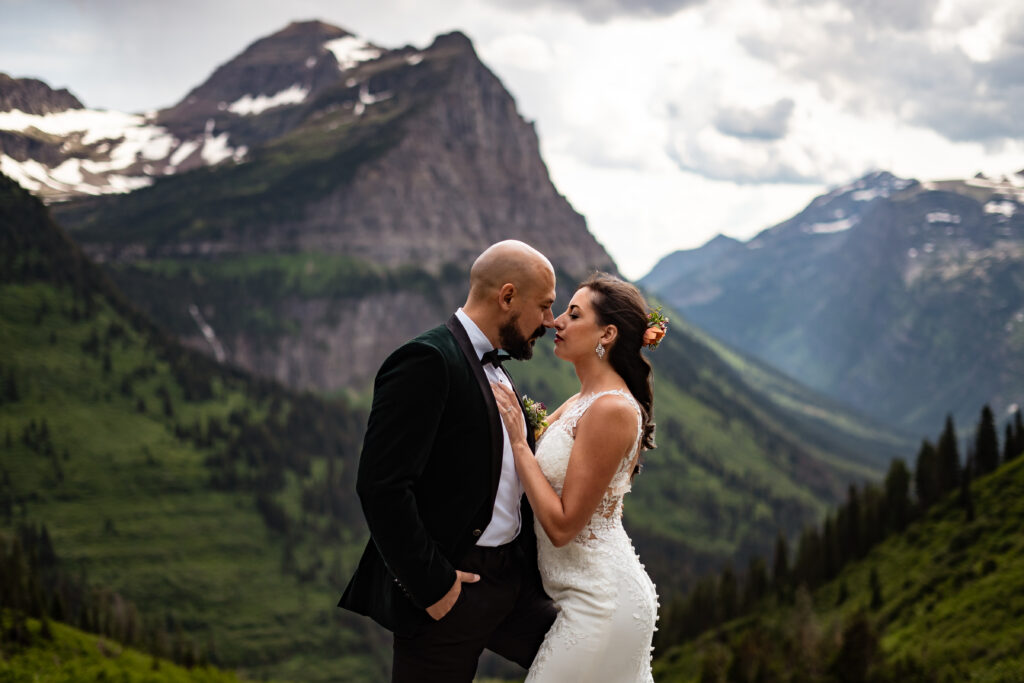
619 303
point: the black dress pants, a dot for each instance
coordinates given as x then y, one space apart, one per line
506 611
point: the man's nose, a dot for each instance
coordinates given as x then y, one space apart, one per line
549 319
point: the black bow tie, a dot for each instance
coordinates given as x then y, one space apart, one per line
495 357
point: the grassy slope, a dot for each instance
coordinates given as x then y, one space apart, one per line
135 509
72 656
131 503
953 593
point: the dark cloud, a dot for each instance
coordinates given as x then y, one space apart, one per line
905 15
768 123
765 163
901 72
600 11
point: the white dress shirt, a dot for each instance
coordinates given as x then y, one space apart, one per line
505 520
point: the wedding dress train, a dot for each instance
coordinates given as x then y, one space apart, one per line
607 603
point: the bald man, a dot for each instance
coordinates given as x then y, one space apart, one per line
451 566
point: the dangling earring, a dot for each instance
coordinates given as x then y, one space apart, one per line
599 351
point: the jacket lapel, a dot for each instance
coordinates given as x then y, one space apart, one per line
497 437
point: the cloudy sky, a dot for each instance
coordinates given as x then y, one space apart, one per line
665 122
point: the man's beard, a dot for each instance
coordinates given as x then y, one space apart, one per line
513 341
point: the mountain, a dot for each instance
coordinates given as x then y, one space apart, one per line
940 601
58 149
355 229
349 229
381 205
902 299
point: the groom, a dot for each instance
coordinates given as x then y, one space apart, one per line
451 566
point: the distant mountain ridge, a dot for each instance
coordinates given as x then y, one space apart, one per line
903 299
32 96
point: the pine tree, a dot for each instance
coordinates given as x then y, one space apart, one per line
830 548
986 443
853 533
948 458
780 567
809 559
728 595
926 475
897 496
1018 434
756 586
966 499
876 589
843 593
1008 444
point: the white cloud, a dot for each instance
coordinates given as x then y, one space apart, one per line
518 51
665 122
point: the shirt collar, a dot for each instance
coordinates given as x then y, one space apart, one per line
481 344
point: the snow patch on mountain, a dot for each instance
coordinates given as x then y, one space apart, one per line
1005 208
184 152
109 151
351 50
832 226
249 105
216 148
69 177
942 217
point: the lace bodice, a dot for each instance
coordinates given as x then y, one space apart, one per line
607 603
555 448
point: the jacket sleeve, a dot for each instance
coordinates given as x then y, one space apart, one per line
409 396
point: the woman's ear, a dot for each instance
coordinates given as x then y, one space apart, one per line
610 334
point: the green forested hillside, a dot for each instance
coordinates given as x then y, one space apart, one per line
56 653
225 504
941 601
215 502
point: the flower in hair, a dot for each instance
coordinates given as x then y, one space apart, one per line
536 415
657 326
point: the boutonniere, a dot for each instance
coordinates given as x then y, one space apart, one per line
536 416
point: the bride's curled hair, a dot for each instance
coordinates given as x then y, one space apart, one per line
619 303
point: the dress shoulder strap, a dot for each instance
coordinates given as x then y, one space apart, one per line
583 404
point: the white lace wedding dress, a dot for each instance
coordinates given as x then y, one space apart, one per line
607 603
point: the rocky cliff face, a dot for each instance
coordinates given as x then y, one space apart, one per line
32 96
466 172
903 299
408 163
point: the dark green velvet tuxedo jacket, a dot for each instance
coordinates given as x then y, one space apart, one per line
428 477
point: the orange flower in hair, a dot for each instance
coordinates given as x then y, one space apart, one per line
657 326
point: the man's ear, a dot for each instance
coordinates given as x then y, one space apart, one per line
505 295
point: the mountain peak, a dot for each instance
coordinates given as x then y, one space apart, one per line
285 67
312 27
32 96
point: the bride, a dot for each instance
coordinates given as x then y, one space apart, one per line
583 468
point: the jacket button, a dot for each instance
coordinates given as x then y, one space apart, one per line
477 532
